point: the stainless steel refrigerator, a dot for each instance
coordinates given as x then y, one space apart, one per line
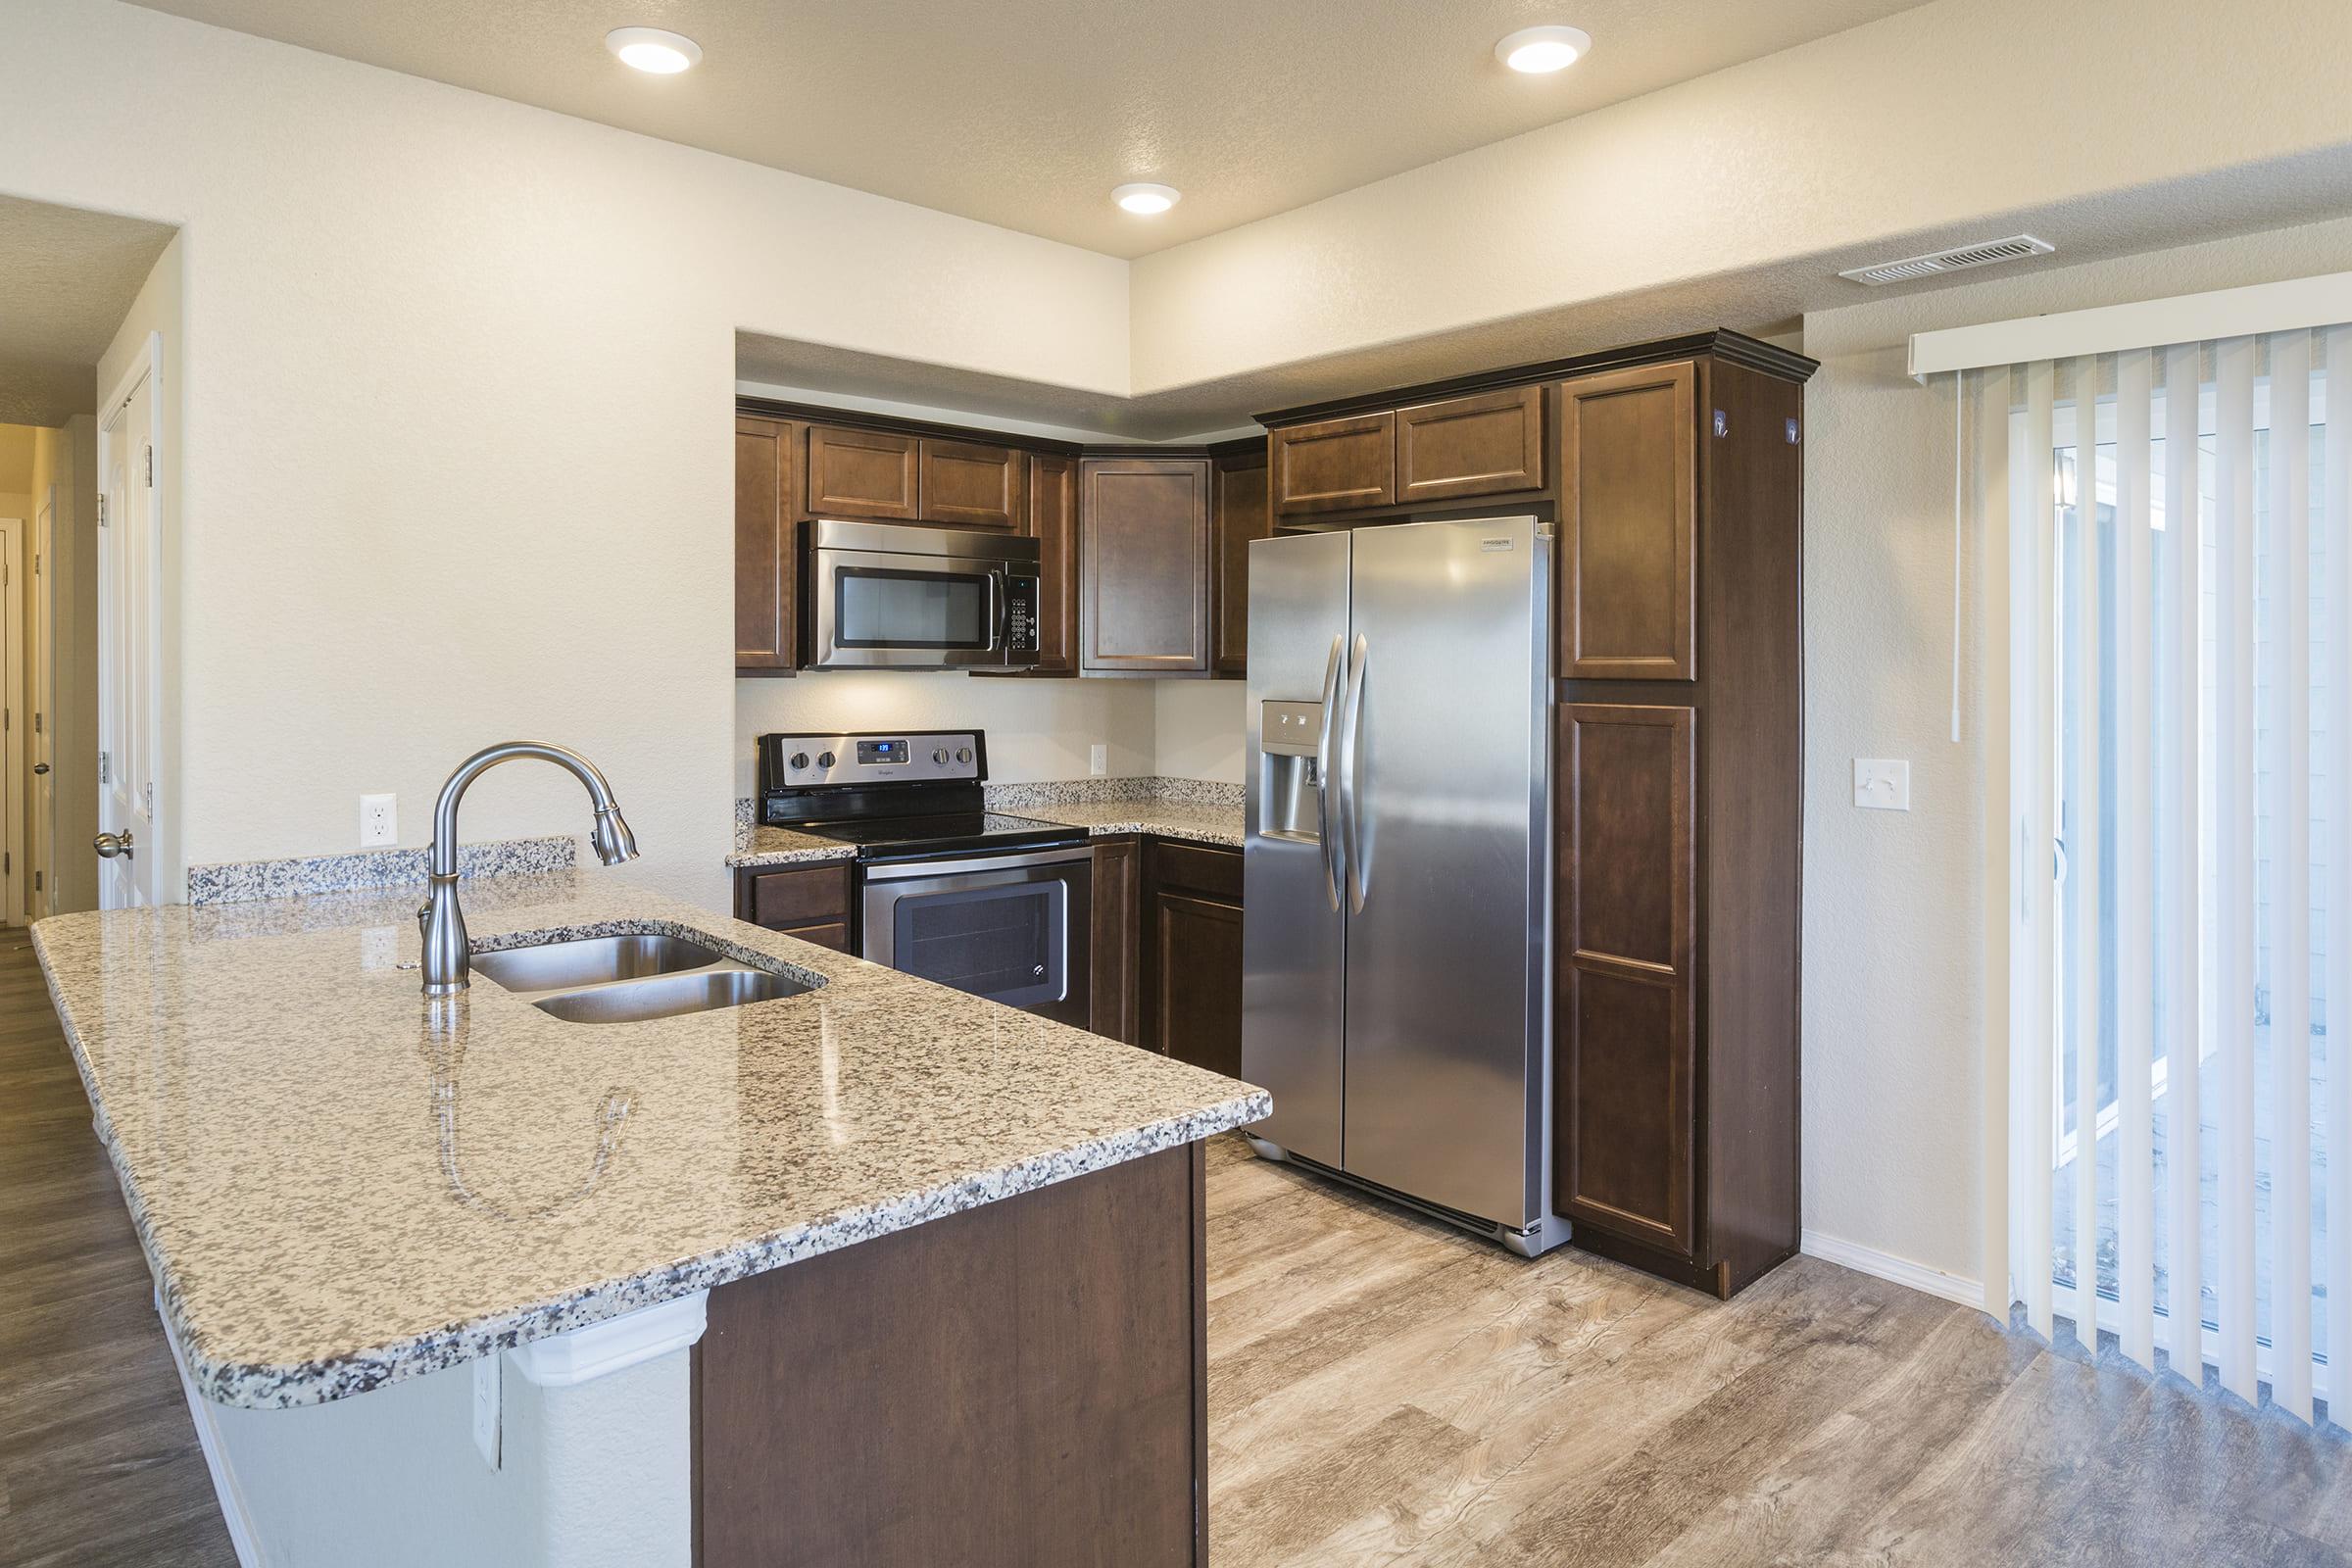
1398 866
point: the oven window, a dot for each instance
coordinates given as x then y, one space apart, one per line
882 608
1003 943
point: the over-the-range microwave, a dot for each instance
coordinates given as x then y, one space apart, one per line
887 596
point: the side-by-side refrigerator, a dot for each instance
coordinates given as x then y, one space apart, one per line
1398 866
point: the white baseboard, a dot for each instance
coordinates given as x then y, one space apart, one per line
1886 1267
224 1484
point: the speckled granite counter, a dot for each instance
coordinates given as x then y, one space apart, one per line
342 1185
1173 808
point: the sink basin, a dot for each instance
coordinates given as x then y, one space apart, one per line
668 996
629 978
591 960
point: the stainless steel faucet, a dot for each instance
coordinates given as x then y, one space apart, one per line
448 954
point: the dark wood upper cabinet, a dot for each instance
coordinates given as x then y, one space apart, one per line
1053 505
863 473
1485 445
1239 511
1626 1142
964 484
1629 524
1144 565
1335 465
767 458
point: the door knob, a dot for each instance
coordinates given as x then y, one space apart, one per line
110 845
40 768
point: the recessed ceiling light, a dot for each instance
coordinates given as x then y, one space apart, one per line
1539 51
665 54
1146 198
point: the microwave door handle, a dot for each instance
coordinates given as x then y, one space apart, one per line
999 590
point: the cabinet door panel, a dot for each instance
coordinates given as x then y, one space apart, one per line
1240 515
1145 564
1627 1133
1192 996
863 473
1629 455
783 900
1336 465
1491 444
1117 921
766 475
969 485
1053 522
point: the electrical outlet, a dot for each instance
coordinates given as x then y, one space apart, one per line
379 820
1882 784
1097 761
379 948
489 1394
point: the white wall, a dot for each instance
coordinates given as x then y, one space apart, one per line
1894 989
456 396
1037 729
594 1476
1198 729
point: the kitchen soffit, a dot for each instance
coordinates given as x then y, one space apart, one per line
1023 113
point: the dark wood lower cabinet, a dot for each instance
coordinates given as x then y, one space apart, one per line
1024 1383
1192 956
811 902
1117 935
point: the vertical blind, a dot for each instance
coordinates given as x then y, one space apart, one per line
2171 858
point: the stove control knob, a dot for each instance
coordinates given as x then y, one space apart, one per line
824 759
964 754
800 760
940 756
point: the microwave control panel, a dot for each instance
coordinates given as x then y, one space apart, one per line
1020 614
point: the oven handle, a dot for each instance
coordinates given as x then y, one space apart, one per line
910 870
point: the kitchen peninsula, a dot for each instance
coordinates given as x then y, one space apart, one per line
842 1276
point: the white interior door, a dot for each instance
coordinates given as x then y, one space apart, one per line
13 875
42 851
126 696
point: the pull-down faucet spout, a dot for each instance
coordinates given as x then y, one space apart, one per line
447 951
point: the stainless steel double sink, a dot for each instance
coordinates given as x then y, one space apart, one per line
628 979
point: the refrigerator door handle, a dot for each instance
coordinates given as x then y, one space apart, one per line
1351 757
1325 839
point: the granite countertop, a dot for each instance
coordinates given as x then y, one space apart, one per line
1172 809
341 1184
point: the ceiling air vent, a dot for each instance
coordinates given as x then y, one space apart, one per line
2016 248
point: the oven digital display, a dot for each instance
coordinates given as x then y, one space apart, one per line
885 753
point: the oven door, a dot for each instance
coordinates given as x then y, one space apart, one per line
1008 927
882 610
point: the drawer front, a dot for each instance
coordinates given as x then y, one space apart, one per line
1487 445
835 936
783 900
1336 465
1200 867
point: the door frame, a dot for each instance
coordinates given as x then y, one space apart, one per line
13 801
41 697
148 364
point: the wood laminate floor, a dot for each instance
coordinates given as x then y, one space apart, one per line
1381 1389
98 1458
1384 1390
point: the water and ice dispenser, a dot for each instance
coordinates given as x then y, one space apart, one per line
1288 737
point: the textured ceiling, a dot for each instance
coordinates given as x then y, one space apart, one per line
1025 113
67 279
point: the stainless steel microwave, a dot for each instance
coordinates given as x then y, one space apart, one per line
885 596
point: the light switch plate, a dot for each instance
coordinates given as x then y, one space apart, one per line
1883 783
379 820
1098 760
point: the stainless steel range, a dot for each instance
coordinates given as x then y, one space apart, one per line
994 904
